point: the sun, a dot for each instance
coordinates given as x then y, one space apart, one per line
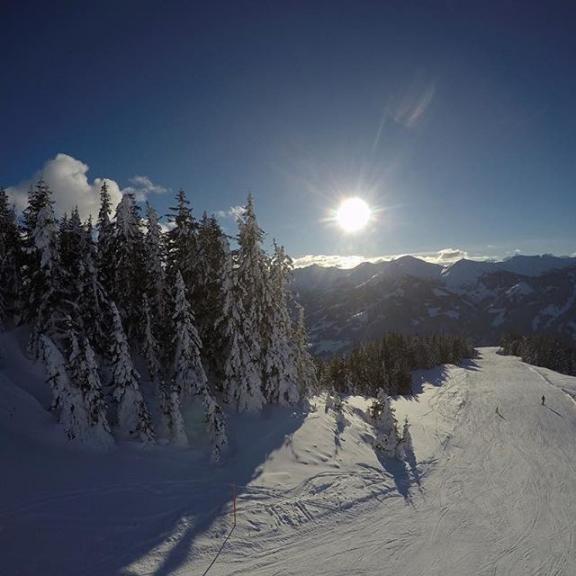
353 214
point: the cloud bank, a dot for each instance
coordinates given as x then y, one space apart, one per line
445 256
71 187
233 213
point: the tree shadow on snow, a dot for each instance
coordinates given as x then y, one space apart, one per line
105 513
398 470
256 438
436 376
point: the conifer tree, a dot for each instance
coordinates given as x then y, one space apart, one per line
150 346
241 381
405 448
129 267
105 248
46 304
252 283
216 427
133 420
77 392
93 303
188 373
280 377
385 425
209 295
10 260
155 258
306 375
171 410
182 243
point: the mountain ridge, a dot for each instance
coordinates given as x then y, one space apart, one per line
478 299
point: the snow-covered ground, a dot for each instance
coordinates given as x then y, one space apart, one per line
491 493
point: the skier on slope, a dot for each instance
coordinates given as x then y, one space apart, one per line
543 400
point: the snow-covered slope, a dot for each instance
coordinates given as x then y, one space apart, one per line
491 493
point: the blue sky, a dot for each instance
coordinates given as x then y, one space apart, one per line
455 119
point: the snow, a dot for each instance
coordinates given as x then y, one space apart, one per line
488 493
518 290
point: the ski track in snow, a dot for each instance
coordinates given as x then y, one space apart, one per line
494 493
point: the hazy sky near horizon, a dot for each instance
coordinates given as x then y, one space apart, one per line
456 120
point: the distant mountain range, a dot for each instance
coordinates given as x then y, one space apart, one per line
479 299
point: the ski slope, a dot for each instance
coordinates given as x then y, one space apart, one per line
491 493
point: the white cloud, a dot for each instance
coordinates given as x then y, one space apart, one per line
142 187
70 186
233 213
335 260
68 180
450 255
444 256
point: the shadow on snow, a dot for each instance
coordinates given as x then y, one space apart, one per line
103 513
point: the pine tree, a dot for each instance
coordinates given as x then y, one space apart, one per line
382 413
209 293
171 410
155 258
216 427
129 266
93 304
105 248
182 244
241 382
188 373
405 448
252 282
280 371
77 392
305 368
133 420
46 302
10 260
83 371
150 346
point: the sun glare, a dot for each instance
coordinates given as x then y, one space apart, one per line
353 214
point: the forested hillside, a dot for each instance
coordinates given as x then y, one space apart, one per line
137 322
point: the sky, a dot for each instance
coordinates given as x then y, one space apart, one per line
455 121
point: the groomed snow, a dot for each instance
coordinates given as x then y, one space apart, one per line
492 493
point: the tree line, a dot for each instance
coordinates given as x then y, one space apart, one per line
385 365
541 350
107 301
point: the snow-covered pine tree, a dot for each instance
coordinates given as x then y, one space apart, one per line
83 372
105 228
305 367
76 392
171 410
209 293
279 362
128 283
93 303
132 418
150 346
45 305
155 258
88 300
216 427
182 244
242 377
252 282
188 373
405 448
385 425
10 260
